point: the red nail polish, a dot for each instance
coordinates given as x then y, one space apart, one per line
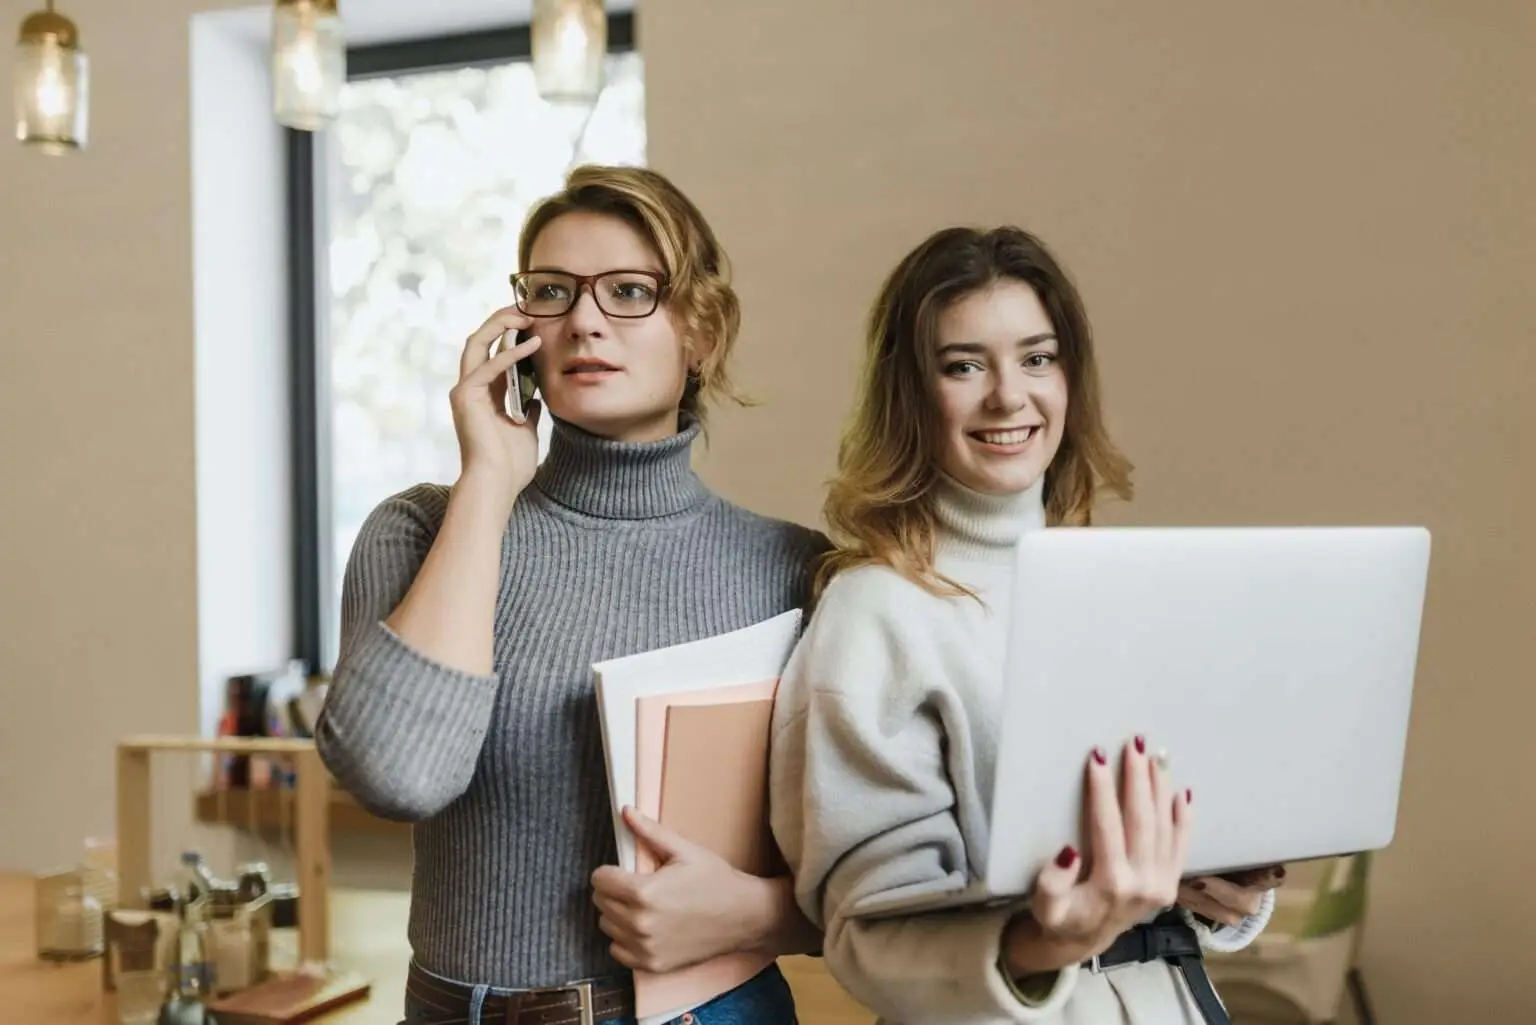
1197 884
1067 858
1141 745
1280 872
1098 756
1189 797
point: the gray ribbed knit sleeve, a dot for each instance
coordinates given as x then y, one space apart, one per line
400 732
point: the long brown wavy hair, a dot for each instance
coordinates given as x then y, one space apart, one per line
880 505
698 290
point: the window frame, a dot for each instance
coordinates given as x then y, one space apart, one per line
309 355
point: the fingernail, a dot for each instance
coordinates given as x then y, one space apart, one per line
1141 745
1189 797
1197 884
1067 858
1098 756
1280 872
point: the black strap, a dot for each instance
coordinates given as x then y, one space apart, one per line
1193 969
1169 938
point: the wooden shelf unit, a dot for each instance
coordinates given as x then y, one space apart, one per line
311 822
267 807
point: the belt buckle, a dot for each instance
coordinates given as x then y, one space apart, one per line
585 1003
1098 967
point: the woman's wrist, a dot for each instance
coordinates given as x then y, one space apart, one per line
1027 950
774 925
486 490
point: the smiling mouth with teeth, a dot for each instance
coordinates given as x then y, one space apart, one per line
1017 436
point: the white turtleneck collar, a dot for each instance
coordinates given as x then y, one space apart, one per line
979 527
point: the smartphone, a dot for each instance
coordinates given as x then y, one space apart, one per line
521 383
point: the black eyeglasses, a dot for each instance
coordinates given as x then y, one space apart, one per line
618 293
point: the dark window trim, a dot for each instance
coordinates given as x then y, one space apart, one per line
305 401
309 373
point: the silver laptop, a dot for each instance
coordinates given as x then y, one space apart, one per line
1274 665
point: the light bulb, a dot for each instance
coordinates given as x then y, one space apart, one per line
51 85
303 68
309 63
52 96
570 40
571 45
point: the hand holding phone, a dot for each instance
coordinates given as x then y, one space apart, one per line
496 449
522 385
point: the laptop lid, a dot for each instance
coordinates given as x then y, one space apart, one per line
1274 665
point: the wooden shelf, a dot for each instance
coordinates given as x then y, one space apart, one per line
266 808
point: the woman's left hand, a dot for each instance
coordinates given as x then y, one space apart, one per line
694 907
1227 901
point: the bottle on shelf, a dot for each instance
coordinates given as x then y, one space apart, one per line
194 880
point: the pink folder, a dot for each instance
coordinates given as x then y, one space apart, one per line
702 771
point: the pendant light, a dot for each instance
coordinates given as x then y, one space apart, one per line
570 40
51 84
309 63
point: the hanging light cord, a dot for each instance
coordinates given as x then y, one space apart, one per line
581 133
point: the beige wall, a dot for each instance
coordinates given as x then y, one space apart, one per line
1303 231
97 539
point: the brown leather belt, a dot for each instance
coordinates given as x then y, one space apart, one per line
582 1003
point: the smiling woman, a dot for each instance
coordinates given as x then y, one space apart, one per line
1002 399
979 421
990 334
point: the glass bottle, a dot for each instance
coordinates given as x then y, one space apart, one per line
194 953
194 881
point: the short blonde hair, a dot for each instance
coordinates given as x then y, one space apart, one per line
698 288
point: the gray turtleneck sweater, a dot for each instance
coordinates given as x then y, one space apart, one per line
613 549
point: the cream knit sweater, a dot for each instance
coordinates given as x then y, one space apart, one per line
884 747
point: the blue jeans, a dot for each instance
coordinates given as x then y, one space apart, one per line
765 999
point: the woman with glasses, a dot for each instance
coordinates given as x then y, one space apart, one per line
471 615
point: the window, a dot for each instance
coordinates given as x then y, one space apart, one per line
404 222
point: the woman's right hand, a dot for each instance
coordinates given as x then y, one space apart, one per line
1139 839
495 451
